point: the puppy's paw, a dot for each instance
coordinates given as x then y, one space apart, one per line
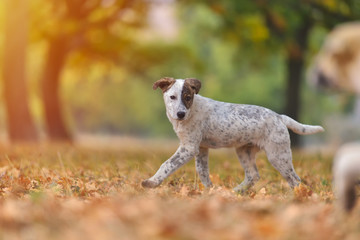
149 184
242 188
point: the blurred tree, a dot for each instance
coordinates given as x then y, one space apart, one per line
98 29
289 24
20 124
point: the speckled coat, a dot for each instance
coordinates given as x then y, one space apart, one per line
202 123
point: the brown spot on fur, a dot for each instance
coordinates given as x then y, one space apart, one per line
187 95
191 87
164 83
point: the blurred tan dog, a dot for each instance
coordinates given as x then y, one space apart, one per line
337 66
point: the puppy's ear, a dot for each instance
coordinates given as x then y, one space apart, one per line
164 84
194 83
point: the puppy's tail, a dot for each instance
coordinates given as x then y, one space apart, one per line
300 128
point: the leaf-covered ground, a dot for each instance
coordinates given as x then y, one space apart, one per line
94 192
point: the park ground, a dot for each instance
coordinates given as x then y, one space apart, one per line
92 190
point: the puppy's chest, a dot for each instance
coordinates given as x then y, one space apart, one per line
188 129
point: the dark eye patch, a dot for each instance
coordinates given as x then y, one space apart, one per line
187 95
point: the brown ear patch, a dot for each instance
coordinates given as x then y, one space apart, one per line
194 83
164 83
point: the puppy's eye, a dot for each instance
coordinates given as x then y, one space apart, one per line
187 98
172 97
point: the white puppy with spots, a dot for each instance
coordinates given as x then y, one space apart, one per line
202 123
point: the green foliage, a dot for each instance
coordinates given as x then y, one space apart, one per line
125 102
234 56
237 49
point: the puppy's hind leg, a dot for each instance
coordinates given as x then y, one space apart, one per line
280 157
202 166
247 159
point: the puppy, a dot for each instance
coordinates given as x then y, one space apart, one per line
202 123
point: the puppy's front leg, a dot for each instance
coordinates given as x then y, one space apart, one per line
202 166
183 155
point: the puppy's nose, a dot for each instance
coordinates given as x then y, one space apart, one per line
180 115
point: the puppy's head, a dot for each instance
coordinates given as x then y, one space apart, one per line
178 95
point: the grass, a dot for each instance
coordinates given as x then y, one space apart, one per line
52 191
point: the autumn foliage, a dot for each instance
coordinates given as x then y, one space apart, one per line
67 192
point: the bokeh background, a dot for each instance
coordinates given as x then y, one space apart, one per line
75 67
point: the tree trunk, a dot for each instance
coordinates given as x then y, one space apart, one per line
295 60
20 124
357 108
55 125
292 108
